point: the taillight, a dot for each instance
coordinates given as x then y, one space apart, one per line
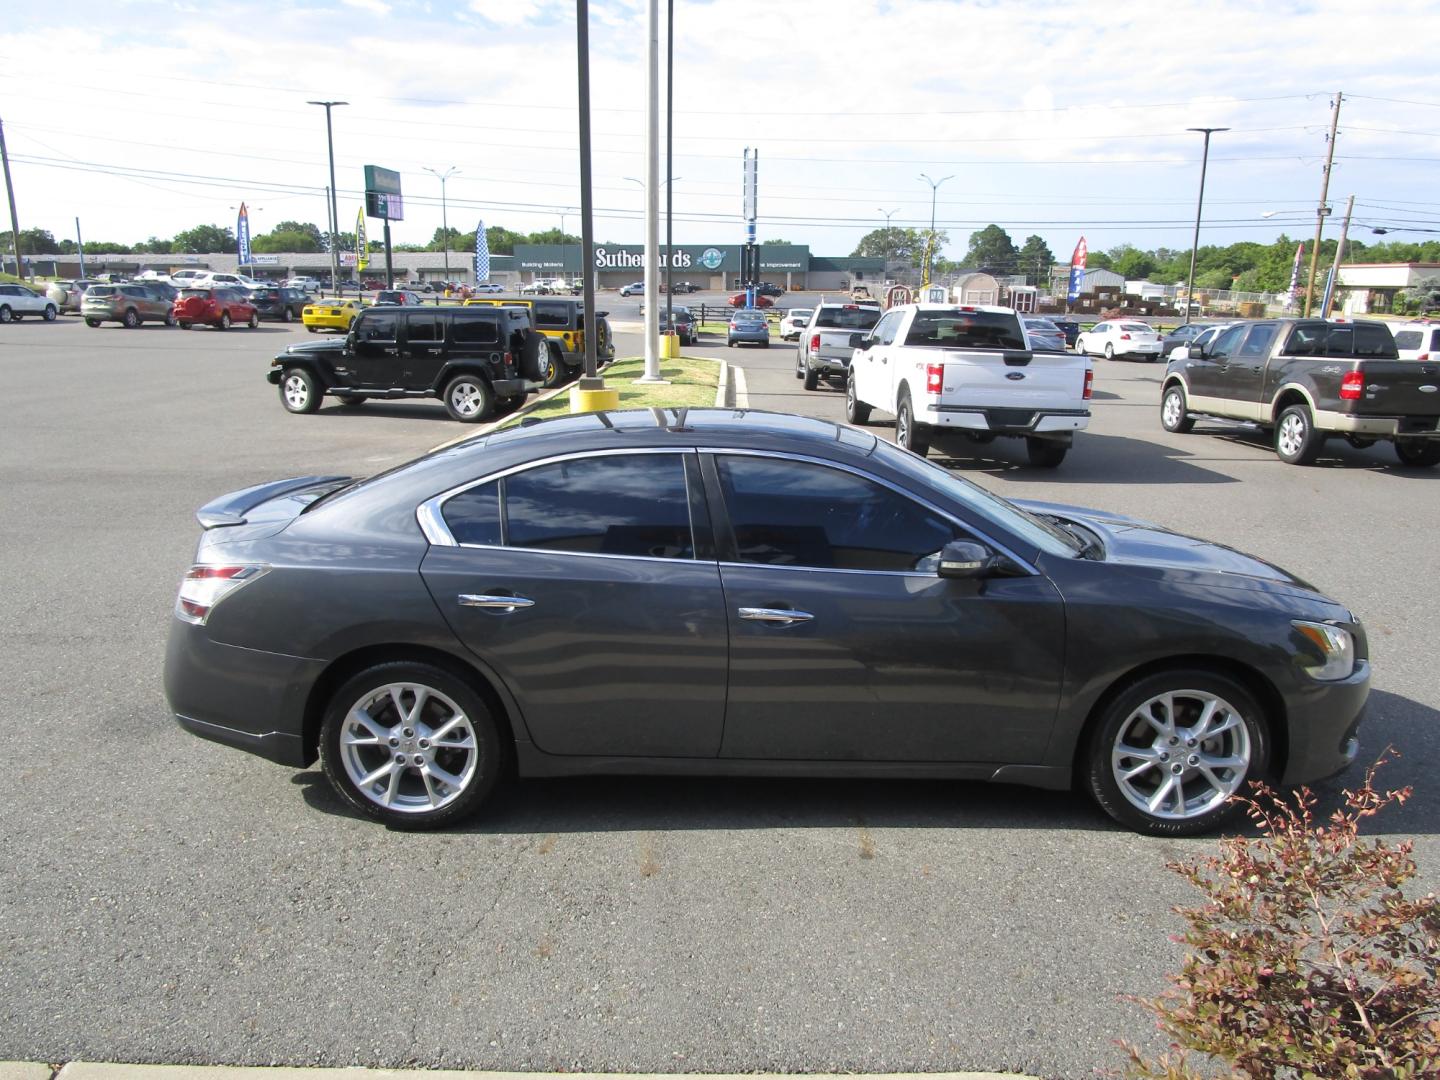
815 343
509 360
1124 337
205 586
1352 385
934 378
1089 384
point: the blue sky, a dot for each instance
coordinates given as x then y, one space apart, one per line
1056 119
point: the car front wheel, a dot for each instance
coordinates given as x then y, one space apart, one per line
1173 417
856 411
469 399
299 392
1169 752
1109 351
131 319
50 312
410 745
225 320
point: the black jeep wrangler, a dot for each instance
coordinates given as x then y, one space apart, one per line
480 361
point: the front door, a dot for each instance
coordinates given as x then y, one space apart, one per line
845 645
1207 376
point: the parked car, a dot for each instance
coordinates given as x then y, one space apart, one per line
302 282
635 288
488 287
762 288
845 609
130 305
1419 340
536 288
562 321
1069 327
686 287
164 290
282 303
330 314
684 324
477 360
17 301
67 294
215 307
213 279
1044 335
1120 337
739 300
183 279
794 322
371 284
398 296
748 326
1183 334
826 342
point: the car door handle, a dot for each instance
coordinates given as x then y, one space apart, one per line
783 616
503 604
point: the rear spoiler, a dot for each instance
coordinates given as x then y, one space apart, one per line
231 509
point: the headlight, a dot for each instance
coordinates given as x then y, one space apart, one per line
1336 645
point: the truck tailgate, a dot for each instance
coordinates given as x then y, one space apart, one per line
1012 380
1397 388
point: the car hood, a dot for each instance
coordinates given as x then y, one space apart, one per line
1131 541
315 348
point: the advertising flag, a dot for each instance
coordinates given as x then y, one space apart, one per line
242 235
1295 273
362 246
482 254
1077 270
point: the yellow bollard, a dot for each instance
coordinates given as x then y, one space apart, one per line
669 346
584 400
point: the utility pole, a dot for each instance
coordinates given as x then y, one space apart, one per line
652 193
671 337
1199 202
885 272
80 246
334 208
930 247
1334 282
444 219
1322 211
10 190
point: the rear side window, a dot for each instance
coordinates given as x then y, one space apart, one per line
1375 342
470 330
551 316
965 330
110 290
847 318
474 516
422 327
1408 339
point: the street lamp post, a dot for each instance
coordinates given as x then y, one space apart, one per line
888 246
444 217
1199 202
334 207
930 253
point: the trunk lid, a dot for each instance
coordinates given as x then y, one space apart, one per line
255 512
1397 388
1011 379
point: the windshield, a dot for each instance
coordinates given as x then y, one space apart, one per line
1035 531
847 318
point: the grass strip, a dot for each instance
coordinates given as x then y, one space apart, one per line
690 383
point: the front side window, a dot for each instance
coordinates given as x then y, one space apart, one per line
376 327
796 513
1226 342
885 329
1257 342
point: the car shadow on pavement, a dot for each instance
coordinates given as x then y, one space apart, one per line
1335 454
399 409
1095 459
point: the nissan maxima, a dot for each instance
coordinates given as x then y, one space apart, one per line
713 592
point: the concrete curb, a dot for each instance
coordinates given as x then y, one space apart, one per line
87 1070
25 1070
742 390
722 391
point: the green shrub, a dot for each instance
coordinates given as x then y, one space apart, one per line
1306 958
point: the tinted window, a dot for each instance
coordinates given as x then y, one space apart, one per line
957 329
1373 341
552 316
203 294
1226 342
376 326
885 329
793 513
96 290
474 515
1257 342
847 318
631 504
469 330
1307 339
1408 339
422 327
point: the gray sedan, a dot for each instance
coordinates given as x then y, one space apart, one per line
1044 335
711 592
748 326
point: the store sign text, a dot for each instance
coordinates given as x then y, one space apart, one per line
634 260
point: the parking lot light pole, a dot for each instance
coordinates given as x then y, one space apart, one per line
1199 202
444 218
888 246
930 256
334 205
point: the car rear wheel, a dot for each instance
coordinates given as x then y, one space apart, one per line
170 318
350 401
286 315
1296 440
469 399
6 315
225 320
131 319
299 392
92 322
1044 452
50 313
1173 417
1169 752
1418 452
909 434
1109 351
410 745
812 378
856 411
184 325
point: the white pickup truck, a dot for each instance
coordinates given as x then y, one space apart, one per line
969 369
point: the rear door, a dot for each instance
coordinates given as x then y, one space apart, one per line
423 348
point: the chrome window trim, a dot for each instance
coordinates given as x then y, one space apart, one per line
1026 564
429 514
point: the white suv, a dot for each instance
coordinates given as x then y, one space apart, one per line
17 301
1418 340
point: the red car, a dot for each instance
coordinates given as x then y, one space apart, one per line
215 307
738 300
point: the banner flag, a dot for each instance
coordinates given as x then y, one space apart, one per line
482 255
362 246
1295 271
242 235
1077 270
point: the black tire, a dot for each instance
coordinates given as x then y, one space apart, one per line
812 378
286 315
554 371
224 323
131 319
50 313
1045 453
909 434
351 401
1296 440
1418 453
983 438
170 318
856 411
254 320
299 391
534 350
504 406
92 322
1109 351
6 315
448 696
765 344
1123 717
1173 417
799 366
184 325
312 329
1359 443
469 399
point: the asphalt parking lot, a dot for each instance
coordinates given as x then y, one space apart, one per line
167 899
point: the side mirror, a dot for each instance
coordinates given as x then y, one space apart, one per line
1195 351
860 341
965 559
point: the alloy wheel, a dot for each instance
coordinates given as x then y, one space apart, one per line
297 391
467 398
1181 754
408 748
1291 435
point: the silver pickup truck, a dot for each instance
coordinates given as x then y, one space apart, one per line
824 350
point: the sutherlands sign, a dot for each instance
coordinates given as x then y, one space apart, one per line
635 260
692 258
